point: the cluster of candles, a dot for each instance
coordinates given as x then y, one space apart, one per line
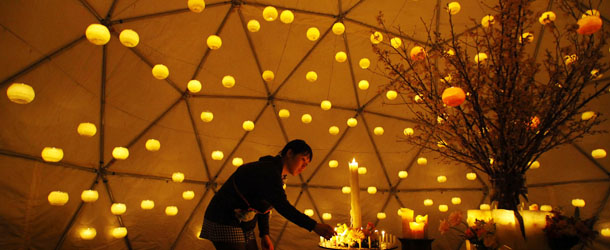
413 229
382 240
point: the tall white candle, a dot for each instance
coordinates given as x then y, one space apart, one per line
355 194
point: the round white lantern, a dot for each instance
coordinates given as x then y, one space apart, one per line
254 26
97 34
177 177
313 34
534 165
228 81
338 28
371 190
362 170
306 118
194 86
207 116
88 233
391 94
417 99
480 57
129 38
402 174
237 161
364 63
376 37
471 176
422 161
363 85
327 216
378 131
20 93
454 8
381 215
352 122
217 155
188 195
52 154
598 153
118 208
333 130
325 105
160 71
284 113
578 202
171 210
196 6
311 76
340 56
309 212
396 42
346 190
546 208
58 198
268 75
408 131
119 232
443 208
214 42
89 195
605 232
487 20
428 202
153 145
547 17
441 179
333 163
269 13
86 129
526 37
147 204
287 16
456 200
120 153
248 125
587 115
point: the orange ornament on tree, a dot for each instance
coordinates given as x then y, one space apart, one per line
453 96
417 53
589 25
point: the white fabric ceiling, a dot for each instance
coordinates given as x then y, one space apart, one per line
42 44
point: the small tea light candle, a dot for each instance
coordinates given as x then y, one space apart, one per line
578 202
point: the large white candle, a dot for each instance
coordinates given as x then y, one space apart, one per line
355 194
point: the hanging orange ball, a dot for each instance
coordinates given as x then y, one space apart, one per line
453 96
589 25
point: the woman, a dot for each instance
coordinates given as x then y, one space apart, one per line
248 196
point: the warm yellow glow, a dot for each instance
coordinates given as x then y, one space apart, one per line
286 16
120 153
396 42
449 52
527 37
217 155
214 42
378 131
52 154
228 81
119 232
454 8
402 174
284 113
391 94
97 34
595 74
534 207
177 177
578 202
309 212
207 116
340 56
147 204
196 6
504 217
371 190
480 58
325 105
569 59
118 208
268 75
408 131
327 216
237 161
547 17
546 208
254 26
20 93
484 207
333 130
58 198
421 219
441 179
605 232
129 38
269 13
535 165
153 145
417 53
248 125
89 195
376 37
194 86
353 164
456 200
352 122
338 28
591 13
188 195
313 34
88 233
422 161
171 210
443 208
381 215
428 202
362 170
598 153
311 76
363 84
160 71
306 118
417 99
346 190
364 63
471 176
487 20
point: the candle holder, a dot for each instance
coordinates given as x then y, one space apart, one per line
416 244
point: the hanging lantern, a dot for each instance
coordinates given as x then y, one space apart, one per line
417 53
546 208
325 105
578 203
417 99
89 195
97 34
207 116
333 163
253 26
269 13
86 129
396 42
443 208
284 113
352 122
569 59
408 131
268 75
118 208
217 155
595 74
147 204
287 16
237 161
453 96
381 215
88 233
171 210
313 34
177 177
340 56
119 232
484 207
129 38
309 212
422 161
591 13
480 57
441 179
402 174
306 118
605 232
248 125
188 195
311 76
587 115
487 20
364 63
338 28
376 37
362 170
194 86
456 200
534 165
428 202
547 17
527 37
52 154
20 93
371 190
471 176
333 130
58 198
160 71
153 145
326 216
453 8
588 25
391 94
363 84
196 6
214 42
346 190
378 131
228 81
598 153
120 153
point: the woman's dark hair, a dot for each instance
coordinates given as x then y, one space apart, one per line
298 147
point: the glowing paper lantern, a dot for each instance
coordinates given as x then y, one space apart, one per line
89 195
207 116
578 202
194 86
118 208
417 53
443 208
428 202
352 122
588 25
20 93
309 212
441 179
587 115
480 57
188 195
363 84
338 28
453 96
160 71
311 76
248 125
306 118
237 161
471 176
120 153
546 208
396 42
535 165
391 94
456 200
378 131
547 17
362 170
119 232
527 37
346 190
153 145
333 130
88 233
453 8
196 6
340 56
417 99
228 81
402 174
217 155
286 16
147 204
326 216
333 163
376 37
364 63
605 232
422 161
58 198
408 131
214 42
97 34
487 20
598 153
171 210
325 105
177 177
52 154
313 34
129 38
371 190
269 13
484 207
449 52
253 26
569 59
268 75
284 113
381 215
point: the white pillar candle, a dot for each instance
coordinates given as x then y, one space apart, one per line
355 194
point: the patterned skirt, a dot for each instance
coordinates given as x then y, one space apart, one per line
223 233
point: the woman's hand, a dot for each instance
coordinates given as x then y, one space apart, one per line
266 243
325 230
